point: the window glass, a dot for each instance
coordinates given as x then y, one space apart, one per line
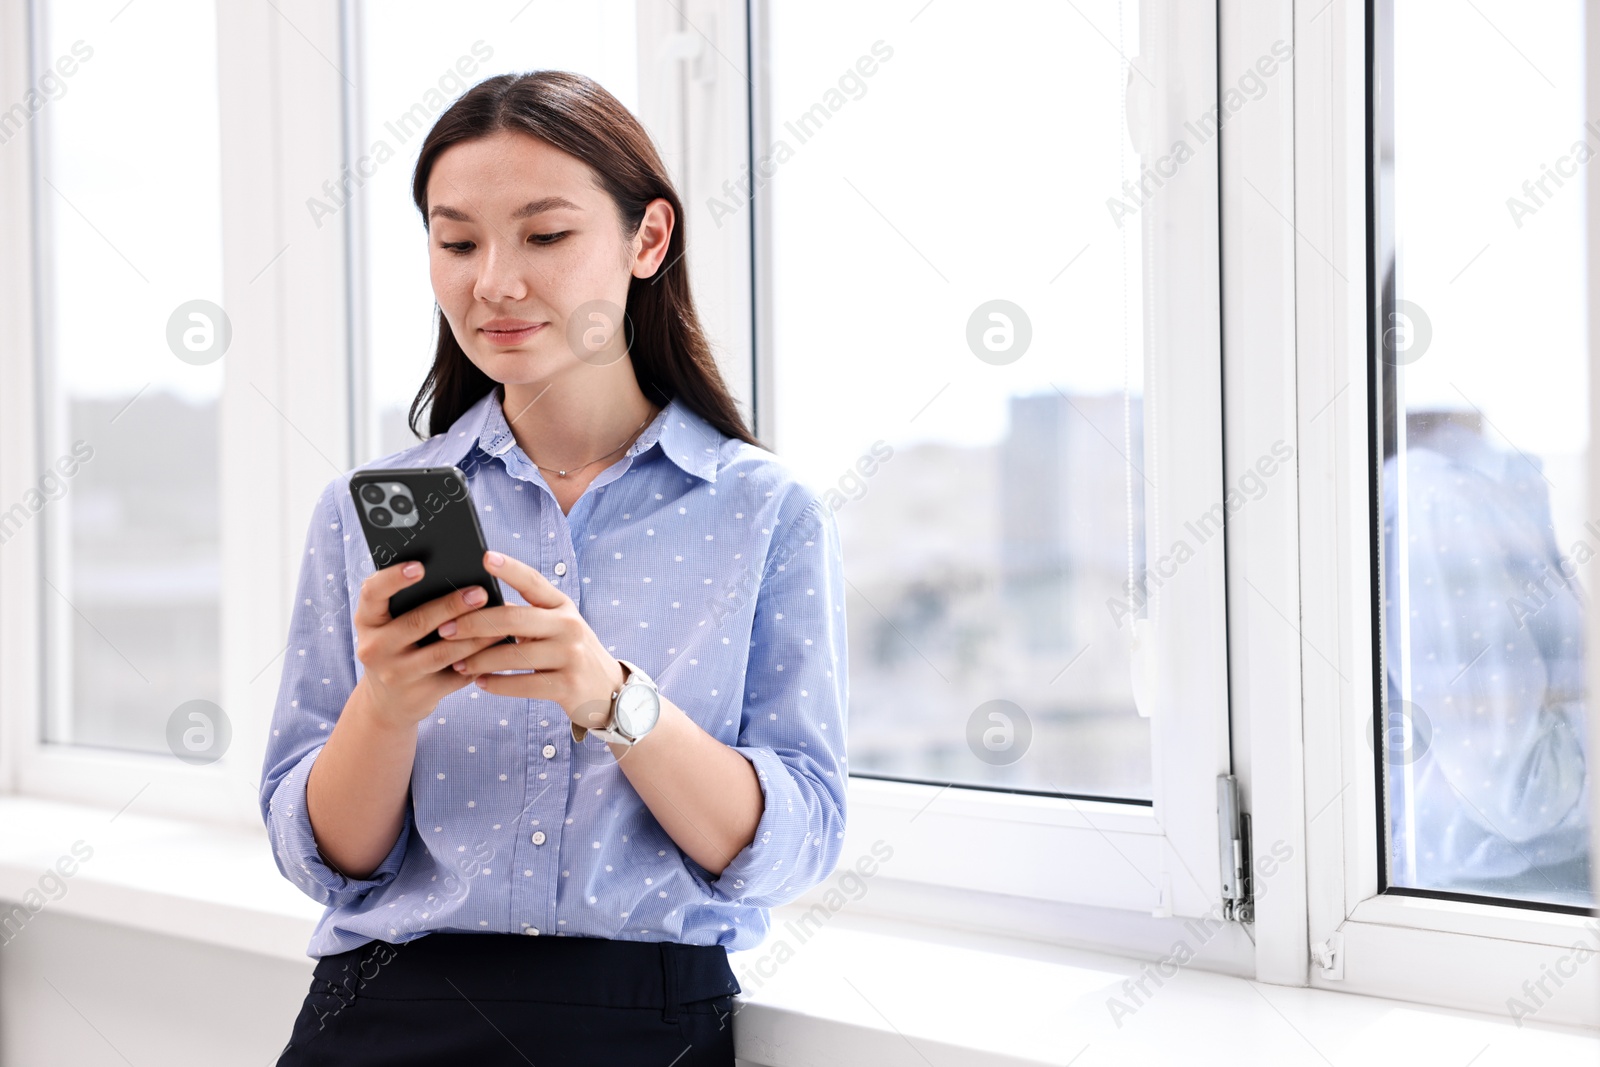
958 352
131 343
411 55
1482 258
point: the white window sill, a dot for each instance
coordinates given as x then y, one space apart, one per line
202 881
861 990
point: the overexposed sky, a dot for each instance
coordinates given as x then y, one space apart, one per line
1483 101
134 200
975 166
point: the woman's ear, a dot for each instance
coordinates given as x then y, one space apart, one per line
652 238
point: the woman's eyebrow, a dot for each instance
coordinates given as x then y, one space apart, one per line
532 207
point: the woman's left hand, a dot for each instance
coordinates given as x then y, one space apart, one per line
570 665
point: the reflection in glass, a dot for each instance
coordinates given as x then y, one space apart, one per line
1484 430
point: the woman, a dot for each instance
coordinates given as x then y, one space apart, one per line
512 868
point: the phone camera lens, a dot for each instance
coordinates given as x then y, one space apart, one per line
380 516
371 493
401 505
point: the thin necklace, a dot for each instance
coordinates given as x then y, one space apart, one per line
592 462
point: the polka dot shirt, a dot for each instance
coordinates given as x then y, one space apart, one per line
699 557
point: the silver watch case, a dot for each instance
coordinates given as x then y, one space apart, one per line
635 708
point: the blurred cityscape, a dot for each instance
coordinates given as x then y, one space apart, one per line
981 574
976 574
141 582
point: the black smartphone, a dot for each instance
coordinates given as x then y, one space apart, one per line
424 514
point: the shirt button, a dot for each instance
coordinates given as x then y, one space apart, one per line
548 751
538 837
561 566
532 930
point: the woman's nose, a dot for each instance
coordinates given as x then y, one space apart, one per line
501 275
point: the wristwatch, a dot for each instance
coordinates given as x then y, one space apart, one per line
635 709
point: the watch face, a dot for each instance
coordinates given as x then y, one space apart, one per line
638 707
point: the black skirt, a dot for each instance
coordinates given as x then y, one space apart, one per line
514 999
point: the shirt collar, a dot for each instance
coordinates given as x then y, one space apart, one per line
1467 447
688 440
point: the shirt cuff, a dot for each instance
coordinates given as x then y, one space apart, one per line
772 869
295 846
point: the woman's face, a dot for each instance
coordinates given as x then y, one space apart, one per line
527 257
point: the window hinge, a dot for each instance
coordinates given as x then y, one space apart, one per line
1233 837
1329 955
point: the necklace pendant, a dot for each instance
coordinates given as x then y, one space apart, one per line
562 473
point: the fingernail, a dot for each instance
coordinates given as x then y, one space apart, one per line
476 596
411 570
448 629
460 665
495 558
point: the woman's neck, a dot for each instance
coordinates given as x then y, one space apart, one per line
561 431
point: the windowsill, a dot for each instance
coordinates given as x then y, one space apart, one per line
855 991
206 882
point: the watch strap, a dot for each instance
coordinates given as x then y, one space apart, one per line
580 732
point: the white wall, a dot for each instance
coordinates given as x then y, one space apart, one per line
81 993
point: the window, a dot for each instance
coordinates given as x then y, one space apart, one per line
1407 271
995 347
131 338
163 442
1485 431
967 382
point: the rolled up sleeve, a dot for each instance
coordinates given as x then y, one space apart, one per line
792 728
295 846
319 674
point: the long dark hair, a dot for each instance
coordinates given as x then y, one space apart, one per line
671 358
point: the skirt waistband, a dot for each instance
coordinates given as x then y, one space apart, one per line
560 970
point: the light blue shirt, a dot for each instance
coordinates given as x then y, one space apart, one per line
699 557
1496 780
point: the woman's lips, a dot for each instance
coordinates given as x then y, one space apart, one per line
512 337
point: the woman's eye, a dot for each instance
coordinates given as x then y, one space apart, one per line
461 248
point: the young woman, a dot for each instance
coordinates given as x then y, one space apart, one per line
545 849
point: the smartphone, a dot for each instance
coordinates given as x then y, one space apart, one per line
424 514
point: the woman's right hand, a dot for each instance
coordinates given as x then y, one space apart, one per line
406 681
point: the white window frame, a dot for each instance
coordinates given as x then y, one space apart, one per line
284 293
1094 868
1463 955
